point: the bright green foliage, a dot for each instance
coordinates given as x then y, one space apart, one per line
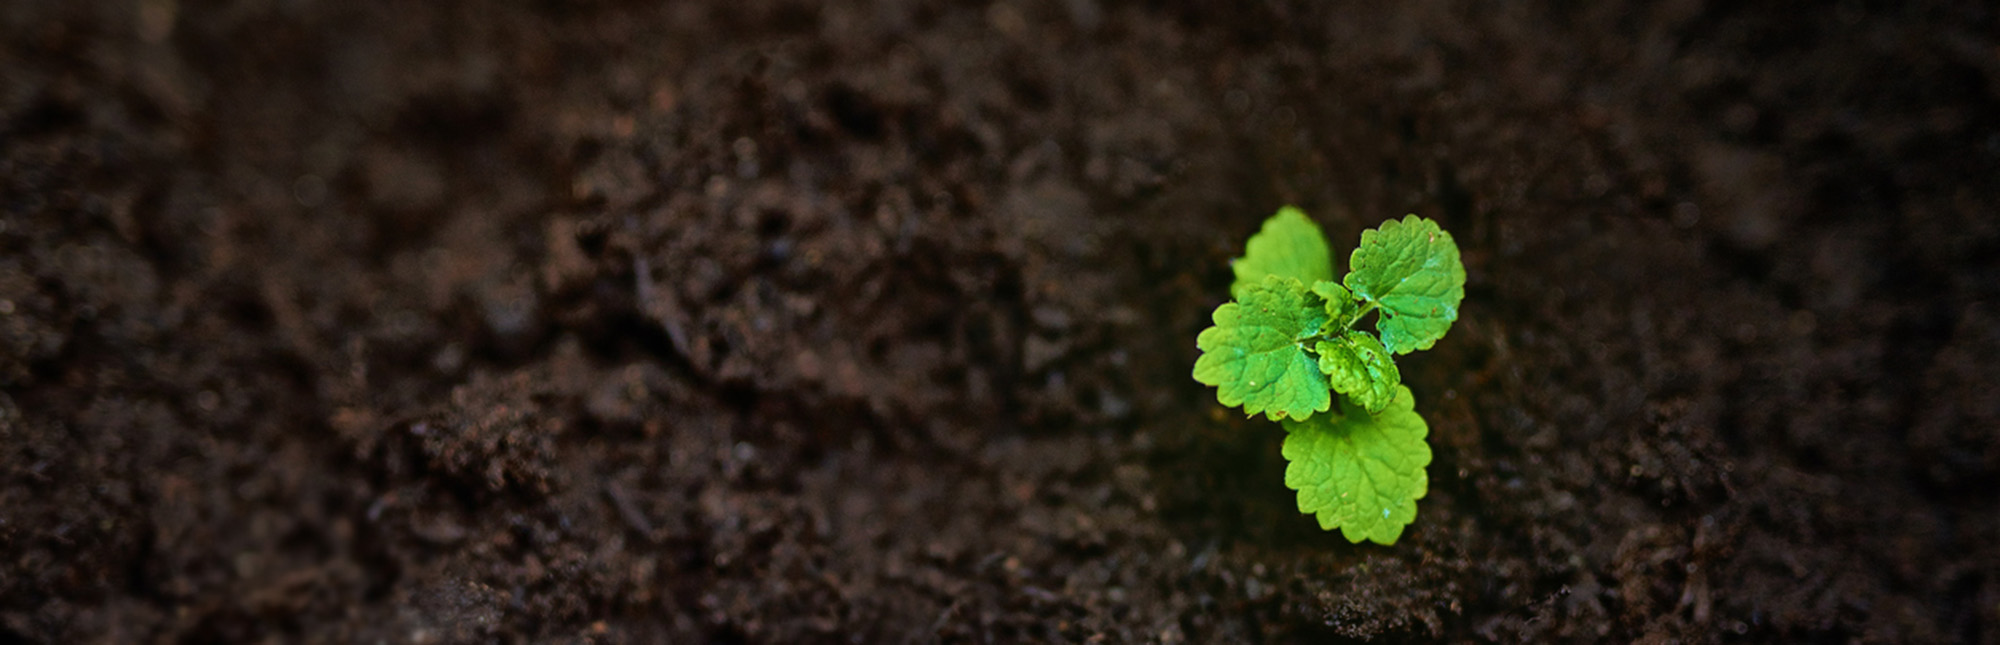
1341 309
1290 341
1255 354
1359 472
1360 368
1290 245
1409 269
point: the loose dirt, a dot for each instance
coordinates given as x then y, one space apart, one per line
783 321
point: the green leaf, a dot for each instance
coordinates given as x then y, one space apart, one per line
1255 354
1359 472
1340 306
1410 269
1361 368
1290 245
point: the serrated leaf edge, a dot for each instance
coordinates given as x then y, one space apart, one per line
1386 312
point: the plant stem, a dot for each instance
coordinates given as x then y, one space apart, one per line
1345 326
1358 314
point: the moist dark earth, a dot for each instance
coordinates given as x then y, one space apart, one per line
781 321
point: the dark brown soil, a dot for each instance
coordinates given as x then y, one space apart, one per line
775 321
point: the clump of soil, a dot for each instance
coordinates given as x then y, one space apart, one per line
776 322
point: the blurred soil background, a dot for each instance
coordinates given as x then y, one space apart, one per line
790 321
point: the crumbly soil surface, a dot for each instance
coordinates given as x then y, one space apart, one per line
790 321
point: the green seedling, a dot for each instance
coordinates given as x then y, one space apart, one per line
1291 344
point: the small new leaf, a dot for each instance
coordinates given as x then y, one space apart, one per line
1289 245
1359 472
1255 354
1340 306
1410 269
1361 368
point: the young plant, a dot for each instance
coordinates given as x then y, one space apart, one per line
1291 344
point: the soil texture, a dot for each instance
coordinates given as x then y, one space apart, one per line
790 321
